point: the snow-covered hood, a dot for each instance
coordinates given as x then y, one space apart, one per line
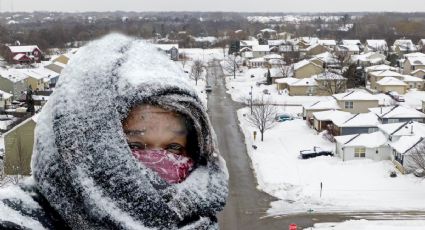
82 163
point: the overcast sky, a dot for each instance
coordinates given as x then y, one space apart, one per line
215 5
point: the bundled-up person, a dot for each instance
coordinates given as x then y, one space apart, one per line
124 142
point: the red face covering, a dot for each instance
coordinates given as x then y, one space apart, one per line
170 167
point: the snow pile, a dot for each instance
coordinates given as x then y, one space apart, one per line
372 225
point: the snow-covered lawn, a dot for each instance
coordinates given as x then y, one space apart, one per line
414 98
372 225
240 87
359 185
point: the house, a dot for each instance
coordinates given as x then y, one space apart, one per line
397 113
376 76
306 69
302 87
329 83
305 42
421 45
361 146
279 73
356 124
327 60
284 35
267 34
388 84
5 100
356 101
58 63
403 46
248 44
381 67
413 82
24 54
418 73
368 59
257 62
316 49
413 63
345 51
325 120
376 45
404 139
331 44
260 50
18 148
12 81
318 106
352 42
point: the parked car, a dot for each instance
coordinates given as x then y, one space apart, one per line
208 88
261 83
315 152
283 117
266 91
394 95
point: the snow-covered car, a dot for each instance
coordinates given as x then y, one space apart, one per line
394 95
208 88
283 117
315 152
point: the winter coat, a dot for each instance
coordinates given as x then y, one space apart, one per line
84 175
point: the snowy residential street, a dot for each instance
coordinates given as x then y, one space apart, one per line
351 189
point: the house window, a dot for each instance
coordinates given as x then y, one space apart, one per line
348 104
372 130
360 152
392 120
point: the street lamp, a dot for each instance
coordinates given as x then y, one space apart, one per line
251 99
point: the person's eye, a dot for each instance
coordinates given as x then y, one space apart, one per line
133 145
175 148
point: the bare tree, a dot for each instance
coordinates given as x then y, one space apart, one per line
183 59
331 83
263 116
286 70
231 64
197 69
417 155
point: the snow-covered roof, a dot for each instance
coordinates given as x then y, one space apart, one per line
249 43
303 63
261 48
327 57
23 49
368 140
260 59
5 95
414 54
248 54
310 40
355 96
405 45
417 71
377 44
210 39
379 68
397 112
360 120
272 56
351 48
390 81
38 73
327 42
268 30
329 76
13 75
349 42
406 143
416 60
336 116
304 82
277 62
287 80
314 46
372 57
18 57
385 73
329 104
408 78
275 42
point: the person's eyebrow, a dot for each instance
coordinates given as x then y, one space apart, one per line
135 132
